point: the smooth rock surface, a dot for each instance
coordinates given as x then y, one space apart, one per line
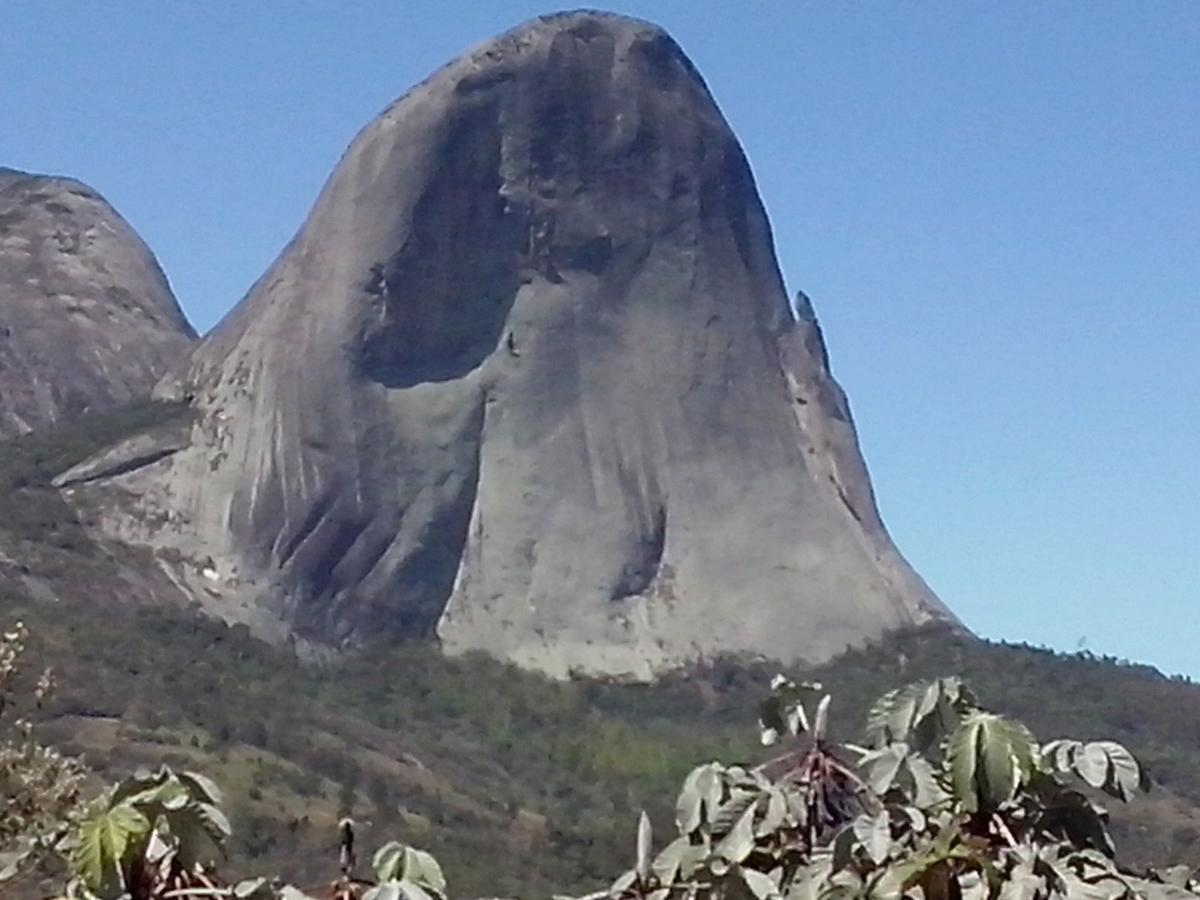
87 319
527 379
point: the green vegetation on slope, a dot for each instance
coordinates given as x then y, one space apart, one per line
946 800
35 513
484 764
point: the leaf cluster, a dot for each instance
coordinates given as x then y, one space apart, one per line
946 801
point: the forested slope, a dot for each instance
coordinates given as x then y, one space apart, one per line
520 784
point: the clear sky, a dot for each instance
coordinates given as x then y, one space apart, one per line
995 208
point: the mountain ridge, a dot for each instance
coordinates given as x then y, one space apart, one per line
527 379
87 318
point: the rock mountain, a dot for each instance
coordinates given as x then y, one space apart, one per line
526 379
87 319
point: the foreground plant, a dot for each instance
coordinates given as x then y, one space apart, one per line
159 836
41 790
946 801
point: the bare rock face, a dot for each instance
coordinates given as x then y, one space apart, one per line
527 380
87 320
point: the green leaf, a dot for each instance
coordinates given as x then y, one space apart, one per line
395 862
1059 755
622 885
388 861
11 862
989 758
1021 884
1106 765
740 799
1178 875
776 814
202 787
883 765
678 860
810 882
389 891
140 781
821 720
997 766
404 889
1092 765
253 889
875 834
879 717
699 798
644 840
962 756
920 714
423 869
199 830
1125 776
105 843
843 848
736 845
761 886
928 791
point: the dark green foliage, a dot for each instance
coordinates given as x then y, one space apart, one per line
33 511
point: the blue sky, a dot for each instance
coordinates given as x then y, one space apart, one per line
994 207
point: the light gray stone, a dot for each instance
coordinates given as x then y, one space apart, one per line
527 380
87 319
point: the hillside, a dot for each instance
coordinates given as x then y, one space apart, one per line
521 784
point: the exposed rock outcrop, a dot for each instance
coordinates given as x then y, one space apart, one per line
527 379
87 319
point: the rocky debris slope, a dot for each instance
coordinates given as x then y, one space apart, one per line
527 379
87 319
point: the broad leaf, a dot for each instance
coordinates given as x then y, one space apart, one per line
736 845
678 860
1106 765
644 840
1125 775
699 798
989 757
202 787
875 835
761 886
106 841
883 765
